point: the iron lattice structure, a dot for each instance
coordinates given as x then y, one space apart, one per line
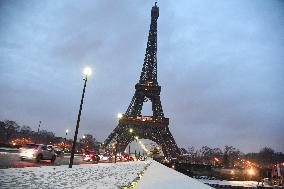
155 127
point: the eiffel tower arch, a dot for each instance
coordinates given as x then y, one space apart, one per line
155 127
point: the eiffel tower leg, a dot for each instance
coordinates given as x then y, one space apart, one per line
136 105
173 150
123 139
111 136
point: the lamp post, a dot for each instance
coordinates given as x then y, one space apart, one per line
38 132
87 72
66 132
130 131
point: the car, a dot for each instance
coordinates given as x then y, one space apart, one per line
90 156
37 152
58 151
105 158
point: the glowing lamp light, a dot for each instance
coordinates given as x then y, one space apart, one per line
251 171
87 71
136 137
130 130
216 159
67 131
119 116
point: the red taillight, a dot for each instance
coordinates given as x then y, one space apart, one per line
91 155
84 154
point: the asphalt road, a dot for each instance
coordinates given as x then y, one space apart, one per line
12 160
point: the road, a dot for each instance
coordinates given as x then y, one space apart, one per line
11 160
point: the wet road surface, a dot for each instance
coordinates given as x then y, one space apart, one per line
12 160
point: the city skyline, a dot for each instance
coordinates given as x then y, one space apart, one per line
219 65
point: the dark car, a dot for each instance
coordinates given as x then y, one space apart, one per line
59 151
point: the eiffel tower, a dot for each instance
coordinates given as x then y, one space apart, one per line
132 124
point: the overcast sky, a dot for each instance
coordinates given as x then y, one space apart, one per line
220 65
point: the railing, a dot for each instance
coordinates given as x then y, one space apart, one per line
147 119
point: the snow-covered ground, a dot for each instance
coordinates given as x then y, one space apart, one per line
102 175
233 183
158 176
106 176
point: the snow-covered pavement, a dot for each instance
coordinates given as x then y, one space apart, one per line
234 183
158 176
103 175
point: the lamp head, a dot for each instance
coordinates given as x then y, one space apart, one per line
119 115
87 71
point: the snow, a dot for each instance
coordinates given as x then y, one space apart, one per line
158 176
233 183
106 176
102 175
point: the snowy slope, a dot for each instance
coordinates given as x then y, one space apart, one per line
102 176
158 176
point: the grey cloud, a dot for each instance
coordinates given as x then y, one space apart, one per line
219 65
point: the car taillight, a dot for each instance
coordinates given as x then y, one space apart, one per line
84 154
91 155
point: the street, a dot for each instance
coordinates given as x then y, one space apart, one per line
11 160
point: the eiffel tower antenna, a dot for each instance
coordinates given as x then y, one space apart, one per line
132 125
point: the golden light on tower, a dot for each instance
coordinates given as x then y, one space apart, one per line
119 115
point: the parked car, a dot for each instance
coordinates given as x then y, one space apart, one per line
90 156
37 152
58 151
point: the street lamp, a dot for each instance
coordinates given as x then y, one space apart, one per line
66 132
87 72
